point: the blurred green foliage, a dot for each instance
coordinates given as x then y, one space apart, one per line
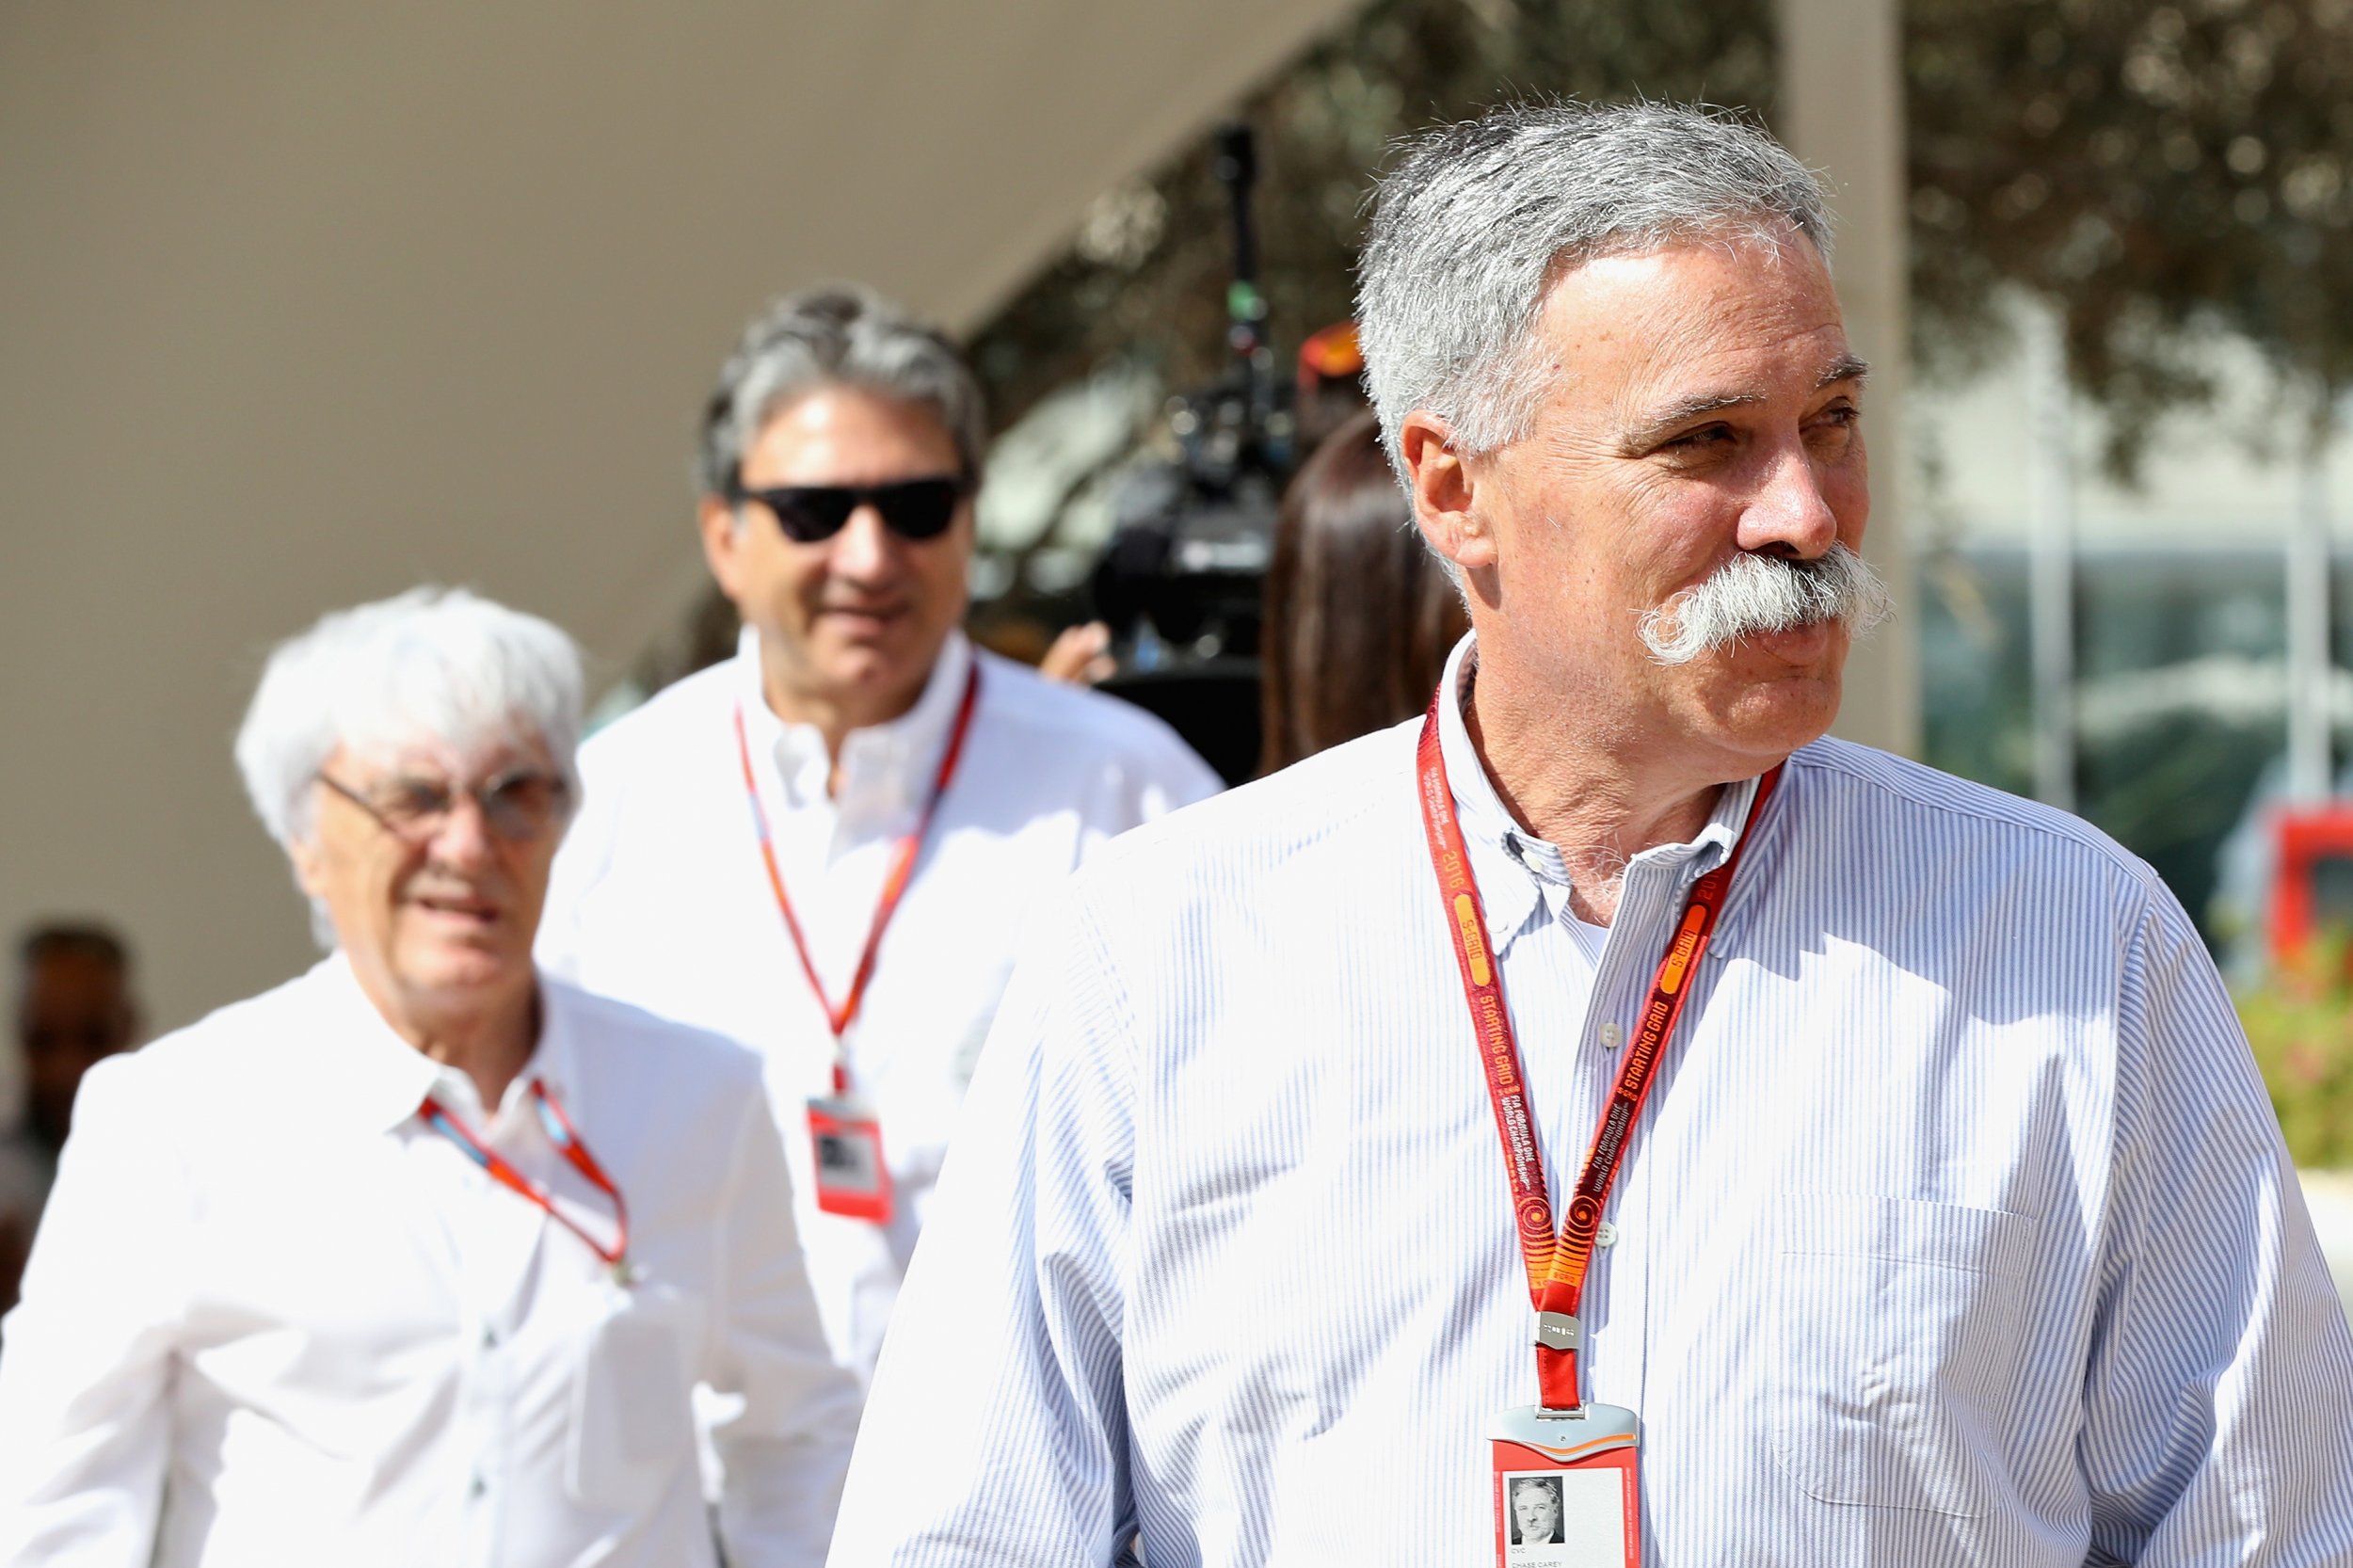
2159 171
2299 1020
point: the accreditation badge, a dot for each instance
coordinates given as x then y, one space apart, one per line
845 1139
1565 1492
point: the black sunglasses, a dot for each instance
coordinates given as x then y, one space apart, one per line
911 508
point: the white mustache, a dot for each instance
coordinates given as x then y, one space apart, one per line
1753 594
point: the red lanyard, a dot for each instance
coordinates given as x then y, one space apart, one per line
567 1140
1555 1265
894 886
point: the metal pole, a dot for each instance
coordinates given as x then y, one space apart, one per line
1842 110
2311 767
2051 563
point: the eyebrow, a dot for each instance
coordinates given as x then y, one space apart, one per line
1847 368
1642 437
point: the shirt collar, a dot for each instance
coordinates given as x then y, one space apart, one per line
381 1078
885 768
1519 873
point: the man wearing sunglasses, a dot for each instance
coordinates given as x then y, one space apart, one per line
829 846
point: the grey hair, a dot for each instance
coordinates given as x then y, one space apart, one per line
838 335
1478 219
432 664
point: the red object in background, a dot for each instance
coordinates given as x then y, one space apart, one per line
2312 883
1330 354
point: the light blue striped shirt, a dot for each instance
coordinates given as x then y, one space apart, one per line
1958 1230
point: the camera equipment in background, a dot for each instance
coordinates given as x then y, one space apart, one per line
1181 580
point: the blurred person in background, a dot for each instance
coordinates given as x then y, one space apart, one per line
74 1008
829 846
1079 655
1359 615
1330 393
417 1257
1820 1158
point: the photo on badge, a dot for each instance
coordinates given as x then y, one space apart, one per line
844 1161
1562 1518
846 1151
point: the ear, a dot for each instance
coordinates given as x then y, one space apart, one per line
722 548
1443 491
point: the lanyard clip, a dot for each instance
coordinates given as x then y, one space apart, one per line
1560 1331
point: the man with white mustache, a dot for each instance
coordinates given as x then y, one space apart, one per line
1752 596
1793 1155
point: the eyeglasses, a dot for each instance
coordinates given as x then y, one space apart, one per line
911 508
517 806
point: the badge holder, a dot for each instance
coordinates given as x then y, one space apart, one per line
1565 1488
845 1140
1565 1484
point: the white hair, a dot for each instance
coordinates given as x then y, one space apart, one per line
1478 219
430 665
1754 593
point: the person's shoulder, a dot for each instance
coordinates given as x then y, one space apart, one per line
202 1069
249 1026
1087 727
616 1035
690 705
1333 797
1839 776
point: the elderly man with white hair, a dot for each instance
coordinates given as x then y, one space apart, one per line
1773 1150
419 1257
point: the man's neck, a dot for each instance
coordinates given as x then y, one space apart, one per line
490 1045
1596 796
833 713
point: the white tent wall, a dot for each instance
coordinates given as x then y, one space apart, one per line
306 304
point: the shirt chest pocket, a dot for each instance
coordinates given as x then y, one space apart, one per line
632 1427
1891 1349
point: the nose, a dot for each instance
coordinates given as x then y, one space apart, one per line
464 839
864 551
1790 515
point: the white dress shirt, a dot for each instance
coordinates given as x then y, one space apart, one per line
1957 1230
659 898
272 1318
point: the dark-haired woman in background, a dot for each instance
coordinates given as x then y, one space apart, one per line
1359 615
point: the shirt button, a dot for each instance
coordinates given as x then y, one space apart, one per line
1607 1234
478 1487
1612 1035
489 1340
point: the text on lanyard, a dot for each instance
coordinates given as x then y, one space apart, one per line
1557 1263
